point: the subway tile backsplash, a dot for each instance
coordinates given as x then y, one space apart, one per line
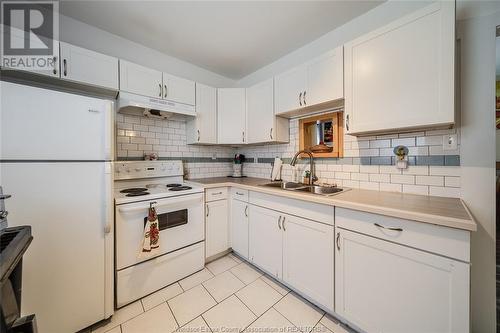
368 162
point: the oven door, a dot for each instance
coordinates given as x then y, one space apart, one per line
180 221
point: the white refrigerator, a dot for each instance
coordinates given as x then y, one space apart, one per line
55 161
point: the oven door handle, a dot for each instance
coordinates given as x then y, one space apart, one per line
170 202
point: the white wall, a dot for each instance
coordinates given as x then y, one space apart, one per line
84 35
369 21
477 35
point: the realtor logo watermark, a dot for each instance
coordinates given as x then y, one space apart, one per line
30 31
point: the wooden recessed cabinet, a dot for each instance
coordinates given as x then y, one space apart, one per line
326 128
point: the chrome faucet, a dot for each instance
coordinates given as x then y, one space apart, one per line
312 177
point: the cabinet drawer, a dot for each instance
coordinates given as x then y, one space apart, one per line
218 193
305 209
453 243
239 194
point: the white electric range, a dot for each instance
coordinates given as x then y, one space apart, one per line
180 209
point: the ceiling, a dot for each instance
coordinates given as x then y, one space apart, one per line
230 38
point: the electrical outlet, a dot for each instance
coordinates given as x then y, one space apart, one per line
450 142
214 156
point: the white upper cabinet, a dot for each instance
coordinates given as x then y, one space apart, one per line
178 89
325 78
315 82
385 287
145 81
401 76
202 129
82 65
231 116
289 88
262 124
18 39
140 80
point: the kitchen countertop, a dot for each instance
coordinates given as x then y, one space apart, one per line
449 212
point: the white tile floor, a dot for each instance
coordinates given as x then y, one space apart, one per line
228 296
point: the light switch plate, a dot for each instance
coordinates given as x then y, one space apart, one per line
450 142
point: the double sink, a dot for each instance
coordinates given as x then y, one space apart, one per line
313 189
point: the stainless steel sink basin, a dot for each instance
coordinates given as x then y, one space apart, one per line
315 189
323 190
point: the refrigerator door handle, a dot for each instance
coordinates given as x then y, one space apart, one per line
108 241
108 131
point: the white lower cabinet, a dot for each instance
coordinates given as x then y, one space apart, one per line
216 227
385 287
239 227
296 250
308 260
266 240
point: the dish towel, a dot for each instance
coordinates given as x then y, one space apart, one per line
151 232
276 172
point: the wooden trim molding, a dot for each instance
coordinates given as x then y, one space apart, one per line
337 119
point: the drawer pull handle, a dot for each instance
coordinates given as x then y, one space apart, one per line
279 222
338 241
208 210
283 223
238 193
246 210
217 193
388 228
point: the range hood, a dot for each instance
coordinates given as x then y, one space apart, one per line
153 107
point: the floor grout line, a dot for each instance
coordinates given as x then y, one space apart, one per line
256 315
173 315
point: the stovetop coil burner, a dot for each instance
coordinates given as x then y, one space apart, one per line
134 190
180 188
174 185
136 194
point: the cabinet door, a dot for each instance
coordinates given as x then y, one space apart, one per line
260 112
231 124
239 227
325 78
217 227
140 80
384 287
82 65
289 88
402 75
18 40
308 258
203 128
265 240
178 89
